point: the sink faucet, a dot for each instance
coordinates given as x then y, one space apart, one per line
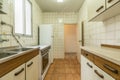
3 23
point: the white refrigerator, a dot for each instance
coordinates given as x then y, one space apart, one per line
46 37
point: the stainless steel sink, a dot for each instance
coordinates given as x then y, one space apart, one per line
20 49
10 52
6 54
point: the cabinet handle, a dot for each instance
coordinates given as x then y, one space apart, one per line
17 73
89 65
30 64
86 54
110 69
99 8
100 75
109 1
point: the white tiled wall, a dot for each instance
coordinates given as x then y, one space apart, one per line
107 32
58 41
9 18
97 33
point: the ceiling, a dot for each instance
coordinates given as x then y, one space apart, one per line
54 6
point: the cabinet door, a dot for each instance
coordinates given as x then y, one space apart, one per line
101 75
32 69
95 7
86 69
8 76
109 3
17 74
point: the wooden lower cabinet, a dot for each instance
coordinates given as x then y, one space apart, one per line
89 71
27 71
16 74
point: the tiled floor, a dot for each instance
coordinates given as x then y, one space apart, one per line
64 69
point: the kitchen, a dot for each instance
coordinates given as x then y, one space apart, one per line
97 25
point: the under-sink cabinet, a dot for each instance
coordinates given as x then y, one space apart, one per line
94 67
32 69
27 71
16 74
23 67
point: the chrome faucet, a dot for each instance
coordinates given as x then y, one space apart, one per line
3 23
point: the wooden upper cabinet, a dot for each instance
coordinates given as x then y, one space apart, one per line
95 7
110 3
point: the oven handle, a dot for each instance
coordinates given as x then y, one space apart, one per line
45 54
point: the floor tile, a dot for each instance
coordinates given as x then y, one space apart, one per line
64 69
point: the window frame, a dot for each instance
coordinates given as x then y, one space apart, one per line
24 19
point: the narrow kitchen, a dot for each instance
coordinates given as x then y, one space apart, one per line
59 39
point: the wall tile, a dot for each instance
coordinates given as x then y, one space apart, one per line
9 18
58 28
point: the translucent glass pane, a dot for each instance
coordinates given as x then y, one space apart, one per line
28 18
19 17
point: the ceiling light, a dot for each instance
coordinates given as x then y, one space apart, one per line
60 20
59 0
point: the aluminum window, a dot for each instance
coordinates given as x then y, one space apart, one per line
23 17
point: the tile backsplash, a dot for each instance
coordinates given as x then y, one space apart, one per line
9 18
106 32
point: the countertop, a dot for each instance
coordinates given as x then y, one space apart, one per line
16 55
110 54
41 47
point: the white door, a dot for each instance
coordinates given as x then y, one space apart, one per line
80 38
46 37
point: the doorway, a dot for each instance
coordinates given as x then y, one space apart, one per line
70 39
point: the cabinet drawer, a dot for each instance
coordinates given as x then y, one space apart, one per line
109 67
88 55
109 3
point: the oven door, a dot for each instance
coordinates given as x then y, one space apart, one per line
45 61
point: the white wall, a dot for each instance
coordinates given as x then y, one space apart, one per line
70 38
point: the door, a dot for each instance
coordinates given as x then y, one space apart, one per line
70 38
80 37
46 37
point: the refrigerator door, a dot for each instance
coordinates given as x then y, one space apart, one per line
45 34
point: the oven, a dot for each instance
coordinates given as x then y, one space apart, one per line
45 58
